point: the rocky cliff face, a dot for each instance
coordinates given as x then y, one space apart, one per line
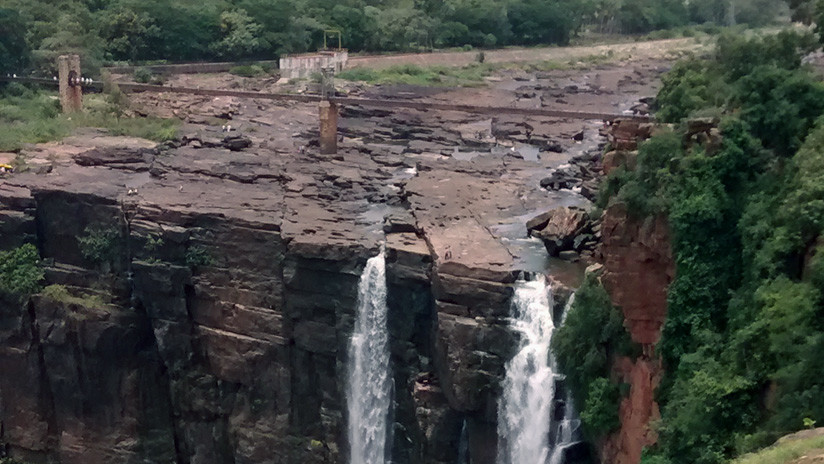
638 268
201 302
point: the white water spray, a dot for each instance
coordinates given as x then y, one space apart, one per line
568 430
525 407
528 389
369 384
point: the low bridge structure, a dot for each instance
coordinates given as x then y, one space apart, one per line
71 83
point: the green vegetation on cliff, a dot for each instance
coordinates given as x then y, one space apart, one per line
591 336
20 272
745 324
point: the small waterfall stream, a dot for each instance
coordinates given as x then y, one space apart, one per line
568 429
369 388
528 400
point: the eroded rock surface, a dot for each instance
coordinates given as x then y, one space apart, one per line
638 268
215 327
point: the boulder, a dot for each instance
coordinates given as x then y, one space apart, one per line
558 228
236 142
616 158
560 180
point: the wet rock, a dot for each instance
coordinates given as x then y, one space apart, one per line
568 255
589 189
578 453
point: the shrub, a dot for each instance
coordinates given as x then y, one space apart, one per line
143 75
100 245
20 271
600 413
197 255
61 294
591 336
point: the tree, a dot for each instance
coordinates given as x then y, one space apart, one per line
127 33
541 22
14 52
802 10
240 35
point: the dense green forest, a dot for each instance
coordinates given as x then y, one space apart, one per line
36 31
743 341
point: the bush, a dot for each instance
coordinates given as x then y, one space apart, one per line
198 256
584 346
600 413
61 294
100 245
143 75
20 272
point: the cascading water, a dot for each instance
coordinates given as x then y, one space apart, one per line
369 384
528 389
567 431
463 446
526 405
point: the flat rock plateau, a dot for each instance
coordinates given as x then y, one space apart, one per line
213 327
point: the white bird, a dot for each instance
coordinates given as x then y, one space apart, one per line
54 78
228 128
223 128
14 76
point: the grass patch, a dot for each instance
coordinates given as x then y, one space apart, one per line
61 294
29 116
471 75
783 452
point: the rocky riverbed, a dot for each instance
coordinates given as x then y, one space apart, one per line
229 282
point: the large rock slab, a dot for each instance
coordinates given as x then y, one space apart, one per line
559 228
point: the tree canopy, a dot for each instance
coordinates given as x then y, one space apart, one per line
35 31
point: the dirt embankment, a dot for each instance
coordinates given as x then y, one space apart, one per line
650 49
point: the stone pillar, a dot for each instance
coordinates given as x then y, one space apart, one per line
328 128
71 95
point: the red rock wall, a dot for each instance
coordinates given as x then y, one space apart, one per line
638 268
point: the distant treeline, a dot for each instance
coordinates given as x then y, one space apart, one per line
35 31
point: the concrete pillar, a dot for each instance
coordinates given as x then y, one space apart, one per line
71 96
328 128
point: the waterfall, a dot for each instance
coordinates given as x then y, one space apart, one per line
528 399
463 445
369 383
568 430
